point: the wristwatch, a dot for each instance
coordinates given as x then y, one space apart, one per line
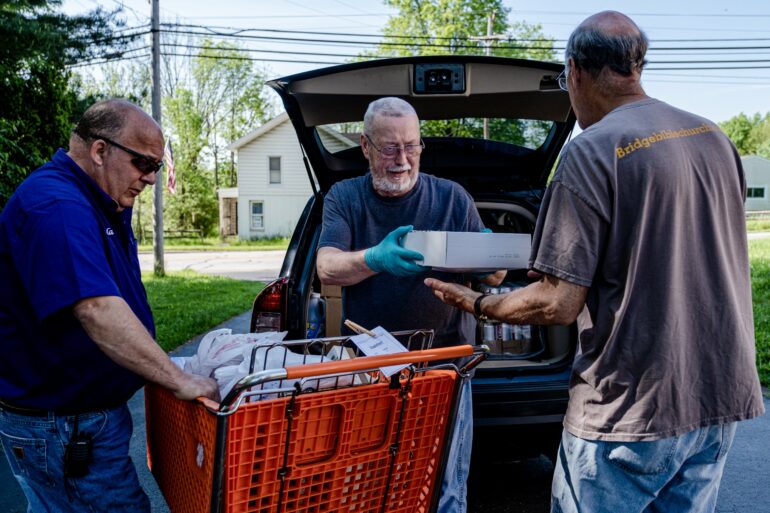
477 308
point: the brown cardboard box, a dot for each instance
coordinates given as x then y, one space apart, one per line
333 296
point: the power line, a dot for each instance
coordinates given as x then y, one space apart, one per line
662 15
324 54
108 60
257 50
257 59
237 58
280 16
238 31
704 68
743 77
316 41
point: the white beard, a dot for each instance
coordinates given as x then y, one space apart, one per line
389 188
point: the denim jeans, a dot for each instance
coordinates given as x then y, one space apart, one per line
35 446
454 486
678 475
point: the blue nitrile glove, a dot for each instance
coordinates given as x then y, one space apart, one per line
390 256
481 276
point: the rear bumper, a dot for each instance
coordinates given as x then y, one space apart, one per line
520 399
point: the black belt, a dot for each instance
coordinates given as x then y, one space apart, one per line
34 412
20 410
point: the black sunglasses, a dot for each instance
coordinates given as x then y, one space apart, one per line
143 163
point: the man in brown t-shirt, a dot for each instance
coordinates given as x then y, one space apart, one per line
641 238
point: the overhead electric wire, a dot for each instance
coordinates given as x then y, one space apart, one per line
238 30
704 68
257 50
316 41
235 58
662 15
109 39
278 16
247 35
355 56
430 45
108 60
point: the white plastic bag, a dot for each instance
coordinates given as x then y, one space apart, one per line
271 356
220 348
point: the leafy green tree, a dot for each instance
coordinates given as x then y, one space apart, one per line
222 100
38 107
440 27
750 134
739 129
762 137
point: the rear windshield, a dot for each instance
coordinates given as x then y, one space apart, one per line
526 133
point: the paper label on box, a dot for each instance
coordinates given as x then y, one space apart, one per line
384 343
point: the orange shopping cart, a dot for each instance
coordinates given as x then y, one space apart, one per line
336 436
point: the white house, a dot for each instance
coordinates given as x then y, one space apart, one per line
757 170
273 185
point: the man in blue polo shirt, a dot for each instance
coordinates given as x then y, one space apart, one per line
76 331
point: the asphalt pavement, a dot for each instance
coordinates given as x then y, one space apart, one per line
239 265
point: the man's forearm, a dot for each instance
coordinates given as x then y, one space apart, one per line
110 323
337 267
546 302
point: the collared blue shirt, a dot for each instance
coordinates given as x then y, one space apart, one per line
63 240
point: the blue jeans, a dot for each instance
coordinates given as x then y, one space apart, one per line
678 475
35 446
454 486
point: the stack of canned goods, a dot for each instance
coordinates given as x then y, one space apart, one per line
502 337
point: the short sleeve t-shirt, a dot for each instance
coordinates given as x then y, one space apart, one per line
356 217
62 240
646 209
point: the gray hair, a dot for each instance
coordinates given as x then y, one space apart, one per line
106 118
593 49
388 106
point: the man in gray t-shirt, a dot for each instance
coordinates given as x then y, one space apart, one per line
641 238
360 248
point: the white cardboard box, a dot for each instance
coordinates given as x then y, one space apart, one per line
470 251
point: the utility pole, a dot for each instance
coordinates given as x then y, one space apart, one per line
157 233
487 40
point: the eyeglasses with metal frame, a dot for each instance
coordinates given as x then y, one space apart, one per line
142 162
561 79
410 150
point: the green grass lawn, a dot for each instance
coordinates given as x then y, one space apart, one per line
216 244
187 303
759 253
758 225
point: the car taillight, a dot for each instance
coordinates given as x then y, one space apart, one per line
270 307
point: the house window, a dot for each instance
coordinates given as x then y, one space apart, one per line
275 169
257 217
755 192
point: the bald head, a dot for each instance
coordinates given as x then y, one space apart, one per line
608 40
113 118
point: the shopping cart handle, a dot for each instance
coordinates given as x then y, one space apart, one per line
375 362
332 367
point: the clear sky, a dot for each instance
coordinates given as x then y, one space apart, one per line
708 33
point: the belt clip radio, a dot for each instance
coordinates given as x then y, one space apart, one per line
77 454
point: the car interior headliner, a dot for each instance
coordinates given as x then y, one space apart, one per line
500 89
